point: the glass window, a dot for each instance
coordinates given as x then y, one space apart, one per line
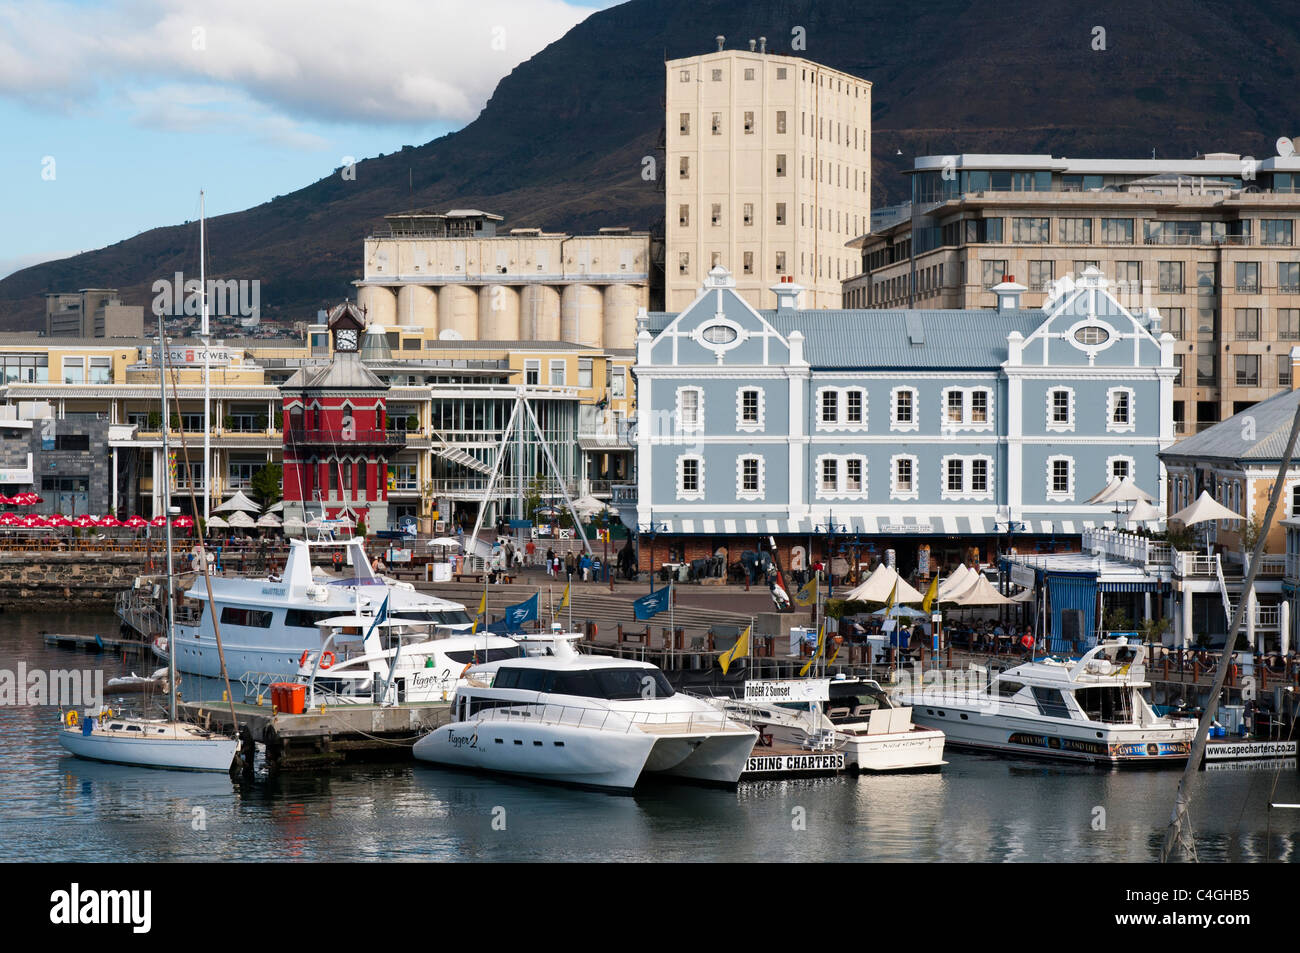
1288 324
830 475
853 407
956 407
684 167
1247 370
748 217
1076 231
979 407
994 271
1119 413
584 371
1060 476
74 370
780 213
557 373
101 370
1175 321
853 475
1247 324
684 215
1284 372
532 373
684 124
979 475
1275 231
749 406
1029 230
617 382
780 121
956 475
1041 274
1170 276
1248 276
749 474
780 164
1288 277
690 475
903 475
1117 231
903 406
1207 362
749 120
1119 469
1060 406
830 406
689 401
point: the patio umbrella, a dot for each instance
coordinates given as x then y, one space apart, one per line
109 522
183 522
1126 491
957 582
84 521
1204 509
236 503
589 506
445 541
216 522
136 522
159 521
9 519
276 507
6 500
1102 495
293 525
1144 512
878 586
32 521
27 499
57 520
241 519
269 521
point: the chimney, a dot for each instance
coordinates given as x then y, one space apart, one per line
753 45
762 44
1008 293
721 40
787 295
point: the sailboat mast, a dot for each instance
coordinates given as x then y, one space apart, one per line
169 616
203 335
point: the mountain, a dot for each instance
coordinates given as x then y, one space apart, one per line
561 141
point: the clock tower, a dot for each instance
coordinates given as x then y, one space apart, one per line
336 440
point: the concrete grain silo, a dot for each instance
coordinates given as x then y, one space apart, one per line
581 308
458 311
379 304
539 313
417 307
498 313
621 303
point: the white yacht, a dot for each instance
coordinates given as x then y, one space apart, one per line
145 742
587 720
858 719
361 661
267 623
1080 709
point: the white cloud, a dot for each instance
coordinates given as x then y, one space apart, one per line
283 61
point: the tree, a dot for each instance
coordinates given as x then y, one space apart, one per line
1116 619
266 483
1250 533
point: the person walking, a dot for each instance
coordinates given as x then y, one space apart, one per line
550 561
585 565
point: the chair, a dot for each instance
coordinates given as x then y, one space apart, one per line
834 713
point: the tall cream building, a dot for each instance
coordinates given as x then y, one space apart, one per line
768 174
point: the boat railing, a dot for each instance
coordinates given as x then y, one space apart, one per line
604 719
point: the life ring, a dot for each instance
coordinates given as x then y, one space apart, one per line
326 659
1234 670
302 659
71 719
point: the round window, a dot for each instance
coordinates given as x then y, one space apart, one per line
719 334
1092 335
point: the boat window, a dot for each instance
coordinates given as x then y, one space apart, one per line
1005 688
134 728
254 618
304 618
625 683
1110 703
506 678
1050 702
481 656
855 697
535 680
576 683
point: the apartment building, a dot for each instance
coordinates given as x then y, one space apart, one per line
92 312
768 174
1210 243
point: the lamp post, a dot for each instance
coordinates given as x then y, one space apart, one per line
830 529
652 530
1012 526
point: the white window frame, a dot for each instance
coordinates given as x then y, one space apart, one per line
749 426
1110 466
822 423
741 492
895 492
1053 495
948 425
551 367
841 492
905 426
1052 425
1112 395
967 492
682 492
841 409
699 411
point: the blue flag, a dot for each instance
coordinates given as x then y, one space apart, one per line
380 617
517 614
649 605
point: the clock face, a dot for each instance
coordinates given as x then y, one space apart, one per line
345 339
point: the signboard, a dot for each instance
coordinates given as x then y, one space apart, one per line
1022 575
521 524
193 356
1250 749
788 690
399 555
907 528
794 763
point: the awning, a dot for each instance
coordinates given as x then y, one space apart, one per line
872 526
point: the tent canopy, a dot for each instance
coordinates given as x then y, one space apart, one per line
240 519
1204 509
1144 512
1122 491
956 584
236 503
981 593
878 586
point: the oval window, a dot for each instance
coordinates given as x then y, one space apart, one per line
1092 335
719 334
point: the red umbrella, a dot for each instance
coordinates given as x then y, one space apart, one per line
158 521
27 499
85 520
136 522
109 521
6 500
32 521
9 519
183 522
57 520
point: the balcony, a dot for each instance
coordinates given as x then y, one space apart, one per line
346 438
1130 547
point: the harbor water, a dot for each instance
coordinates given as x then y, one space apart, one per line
54 807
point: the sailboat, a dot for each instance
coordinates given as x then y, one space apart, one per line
140 741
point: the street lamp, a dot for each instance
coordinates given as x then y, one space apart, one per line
830 529
652 530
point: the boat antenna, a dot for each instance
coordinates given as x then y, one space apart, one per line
1179 831
238 764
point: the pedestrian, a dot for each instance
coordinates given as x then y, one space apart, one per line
550 561
530 549
585 565
1027 643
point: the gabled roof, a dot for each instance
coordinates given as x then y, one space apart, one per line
345 372
1227 440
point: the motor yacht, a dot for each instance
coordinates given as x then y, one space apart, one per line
1089 708
586 720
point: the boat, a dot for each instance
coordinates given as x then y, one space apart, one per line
267 622
586 720
856 718
1088 709
123 684
390 661
144 741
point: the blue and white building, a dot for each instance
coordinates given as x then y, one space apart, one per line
954 428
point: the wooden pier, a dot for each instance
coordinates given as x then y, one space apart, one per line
94 643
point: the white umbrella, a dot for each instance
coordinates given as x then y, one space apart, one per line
445 541
981 593
238 502
1144 512
1122 491
241 519
276 507
269 521
1102 495
878 586
958 582
589 506
216 522
1204 509
293 525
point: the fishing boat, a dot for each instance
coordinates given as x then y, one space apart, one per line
1088 709
856 717
586 720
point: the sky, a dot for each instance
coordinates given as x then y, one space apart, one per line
114 114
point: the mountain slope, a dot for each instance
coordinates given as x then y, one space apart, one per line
561 141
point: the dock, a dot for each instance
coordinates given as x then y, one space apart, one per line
94 643
770 762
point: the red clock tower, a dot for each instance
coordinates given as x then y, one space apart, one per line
336 442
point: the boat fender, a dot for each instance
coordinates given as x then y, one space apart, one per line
71 719
468 666
326 659
302 659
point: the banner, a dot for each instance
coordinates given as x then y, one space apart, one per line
521 612
656 602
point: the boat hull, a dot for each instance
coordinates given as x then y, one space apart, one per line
191 754
920 749
714 758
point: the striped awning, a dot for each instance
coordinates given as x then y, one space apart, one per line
942 525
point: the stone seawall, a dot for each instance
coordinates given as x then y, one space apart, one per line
39 581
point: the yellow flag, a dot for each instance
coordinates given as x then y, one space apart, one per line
739 650
889 606
931 594
835 654
482 611
821 645
807 596
564 604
